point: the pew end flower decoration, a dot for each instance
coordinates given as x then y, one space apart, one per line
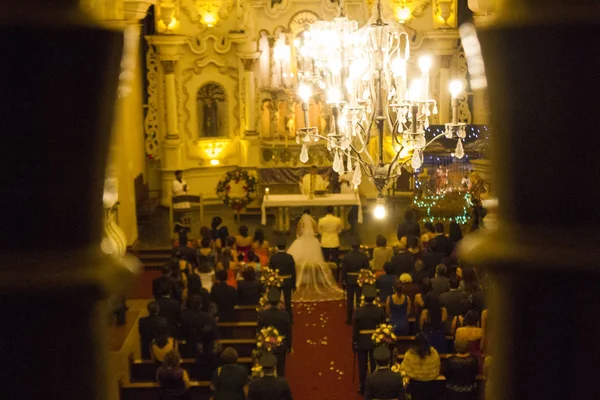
384 334
376 301
256 371
268 339
366 277
263 302
270 278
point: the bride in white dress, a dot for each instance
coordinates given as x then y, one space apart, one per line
314 278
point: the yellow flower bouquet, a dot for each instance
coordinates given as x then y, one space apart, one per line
384 334
263 302
270 278
256 371
366 277
268 339
377 302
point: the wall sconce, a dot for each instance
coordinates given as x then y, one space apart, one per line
403 13
209 15
167 21
214 162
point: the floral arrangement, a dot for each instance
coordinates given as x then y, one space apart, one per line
250 181
262 303
268 339
366 277
270 278
377 302
384 334
256 371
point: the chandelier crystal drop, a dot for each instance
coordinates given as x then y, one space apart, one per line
363 74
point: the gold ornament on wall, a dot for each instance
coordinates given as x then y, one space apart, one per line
167 16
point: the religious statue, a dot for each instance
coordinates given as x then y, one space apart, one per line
291 126
211 118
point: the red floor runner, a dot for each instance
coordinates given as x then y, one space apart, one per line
321 365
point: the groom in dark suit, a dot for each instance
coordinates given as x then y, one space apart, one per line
284 262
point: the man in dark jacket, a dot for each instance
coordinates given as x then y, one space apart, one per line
353 262
224 296
403 262
284 262
147 328
169 308
200 332
383 383
167 280
452 301
439 284
366 320
280 320
442 243
409 227
385 283
269 387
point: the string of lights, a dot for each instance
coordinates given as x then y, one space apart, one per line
427 203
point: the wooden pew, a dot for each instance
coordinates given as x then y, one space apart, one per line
237 330
246 313
199 390
145 370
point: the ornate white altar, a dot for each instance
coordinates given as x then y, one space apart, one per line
283 203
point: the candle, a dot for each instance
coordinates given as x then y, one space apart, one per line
267 192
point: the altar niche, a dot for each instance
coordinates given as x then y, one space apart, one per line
211 103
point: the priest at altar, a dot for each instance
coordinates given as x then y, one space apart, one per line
312 182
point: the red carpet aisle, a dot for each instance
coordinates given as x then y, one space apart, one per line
321 366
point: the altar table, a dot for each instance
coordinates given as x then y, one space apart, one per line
283 203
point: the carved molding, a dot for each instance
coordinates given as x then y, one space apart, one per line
275 8
168 66
248 63
445 62
420 8
300 21
464 113
199 44
151 120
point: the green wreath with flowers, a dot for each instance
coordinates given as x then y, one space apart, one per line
249 180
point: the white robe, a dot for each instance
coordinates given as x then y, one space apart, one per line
346 186
179 189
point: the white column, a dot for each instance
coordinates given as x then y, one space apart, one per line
171 99
248 62
444 95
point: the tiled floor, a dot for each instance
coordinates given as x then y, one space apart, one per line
158 234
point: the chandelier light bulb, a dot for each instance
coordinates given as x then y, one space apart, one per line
399 67
380 212
304 154
425 64
416 89
333 95
304 92
456 88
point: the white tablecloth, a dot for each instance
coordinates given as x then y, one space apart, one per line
300 200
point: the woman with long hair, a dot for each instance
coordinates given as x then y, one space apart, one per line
219 233
432 322
398 308
162 343
472 334
428 235
243 241
421 365
261 246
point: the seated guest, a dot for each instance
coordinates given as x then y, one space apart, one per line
230 381
147 327
227 262
471 333
459 320
421 365
206 250
432 322
205 272
224 296
383 383
205 233
381 254
442 243
461 372
169 309
174 380
403 262
409 227
469 283
452 301
199 330
249 288
243 241
428 235
425 286
254 262
454 233
385 283
398 309
219 233
163 343
261 247
411 290
166 280
419 273
440 282
432 258
412 247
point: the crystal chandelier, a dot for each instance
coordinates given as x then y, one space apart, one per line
363 74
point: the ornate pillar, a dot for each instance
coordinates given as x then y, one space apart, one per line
543 257
248 62
273 80
483 13
444 108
